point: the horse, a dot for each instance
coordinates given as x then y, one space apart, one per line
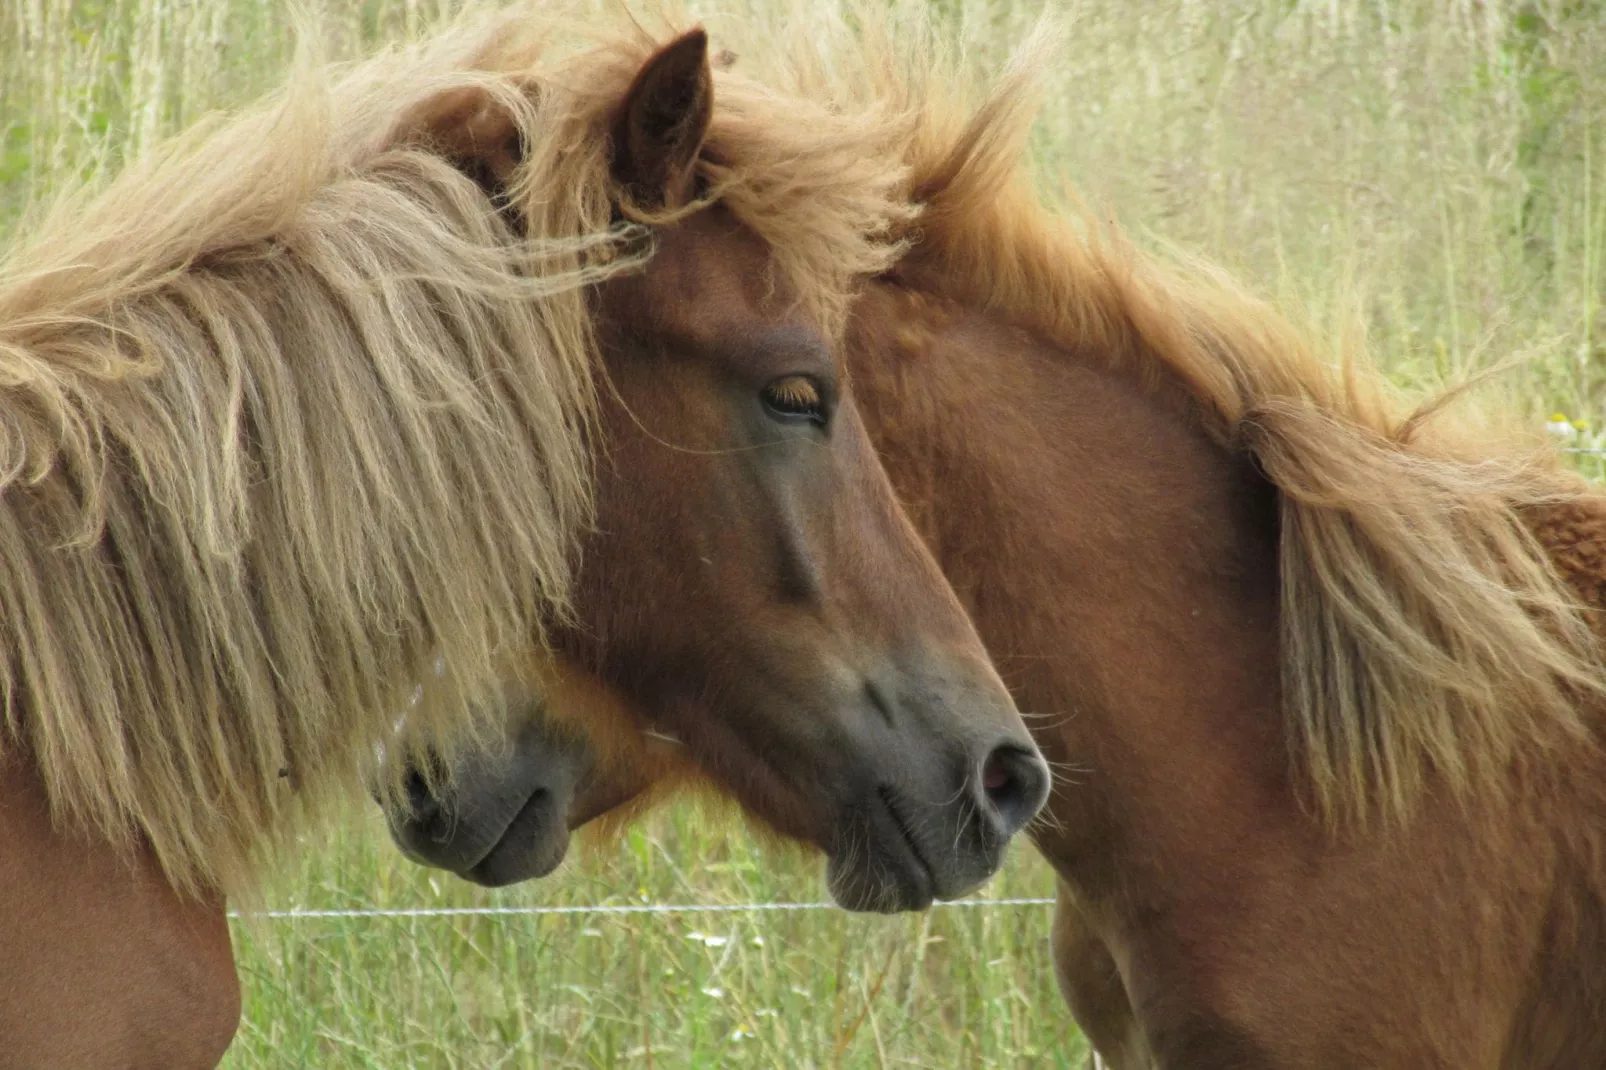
518 364
1325 673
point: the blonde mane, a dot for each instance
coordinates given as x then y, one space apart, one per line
290 410
1425 632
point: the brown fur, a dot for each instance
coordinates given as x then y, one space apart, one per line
1254 604
306 402
1202 550
318 290
1121 567
1422 629
132 977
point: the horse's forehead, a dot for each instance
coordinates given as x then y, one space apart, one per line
711 277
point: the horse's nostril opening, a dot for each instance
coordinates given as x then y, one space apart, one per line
1015 783
419 798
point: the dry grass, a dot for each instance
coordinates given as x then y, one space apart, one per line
1432 171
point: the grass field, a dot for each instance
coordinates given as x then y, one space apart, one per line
1432 170
953 988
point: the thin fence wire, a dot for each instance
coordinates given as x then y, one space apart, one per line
587 909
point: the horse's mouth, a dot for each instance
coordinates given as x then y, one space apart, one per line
914 876
532 845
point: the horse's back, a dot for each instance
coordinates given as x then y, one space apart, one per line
101 964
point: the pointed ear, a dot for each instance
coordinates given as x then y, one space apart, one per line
662 122
475 132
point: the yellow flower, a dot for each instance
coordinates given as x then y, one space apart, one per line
1558 425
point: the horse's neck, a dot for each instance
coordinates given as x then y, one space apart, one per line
1573 533
1119 564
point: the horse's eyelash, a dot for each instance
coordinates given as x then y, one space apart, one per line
796 392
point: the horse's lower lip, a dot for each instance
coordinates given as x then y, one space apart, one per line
479 871
922 880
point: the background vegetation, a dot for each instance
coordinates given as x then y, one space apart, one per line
1442 158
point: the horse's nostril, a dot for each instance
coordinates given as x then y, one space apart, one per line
1014 784
420 800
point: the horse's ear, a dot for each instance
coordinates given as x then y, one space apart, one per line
474 131
662 122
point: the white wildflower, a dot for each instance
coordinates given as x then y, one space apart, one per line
1560 426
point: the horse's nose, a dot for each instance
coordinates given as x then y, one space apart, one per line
1012 784
424 807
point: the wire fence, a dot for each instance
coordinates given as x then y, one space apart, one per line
296 914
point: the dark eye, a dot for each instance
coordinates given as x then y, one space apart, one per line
796 397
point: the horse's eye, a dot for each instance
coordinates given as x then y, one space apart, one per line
795 397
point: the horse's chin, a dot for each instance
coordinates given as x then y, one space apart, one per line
512 863
882 867
867 887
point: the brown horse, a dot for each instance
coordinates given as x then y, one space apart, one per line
1330 675
307 401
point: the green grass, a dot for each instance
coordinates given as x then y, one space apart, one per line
1433 169
956 987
